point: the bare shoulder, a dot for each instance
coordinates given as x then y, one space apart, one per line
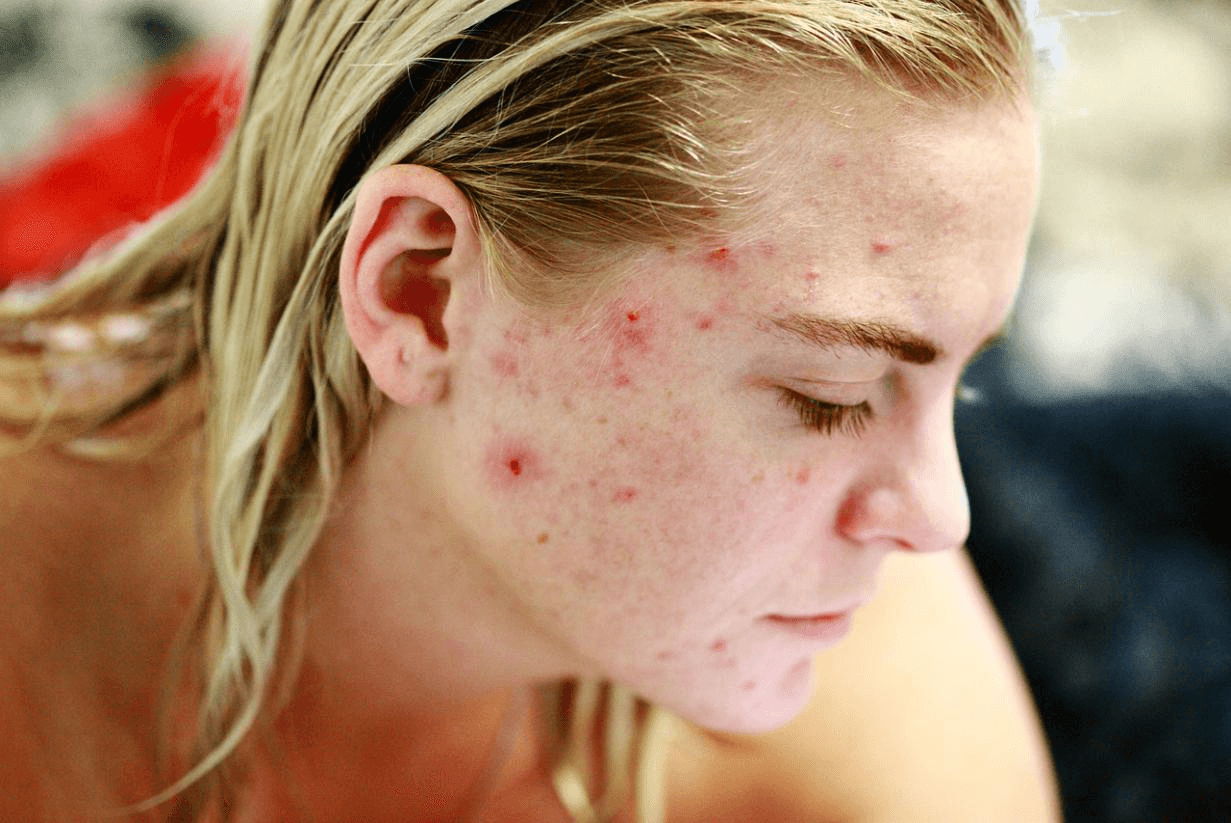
50 498
922 714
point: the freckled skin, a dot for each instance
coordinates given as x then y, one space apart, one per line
740 511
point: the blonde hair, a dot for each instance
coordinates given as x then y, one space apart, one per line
574 128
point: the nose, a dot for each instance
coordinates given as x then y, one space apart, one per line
910 498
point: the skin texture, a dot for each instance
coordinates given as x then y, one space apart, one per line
625 493
619 491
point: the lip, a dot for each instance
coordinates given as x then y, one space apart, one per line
818 628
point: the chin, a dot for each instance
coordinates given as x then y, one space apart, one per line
748 705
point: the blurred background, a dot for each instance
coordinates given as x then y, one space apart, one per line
1097 448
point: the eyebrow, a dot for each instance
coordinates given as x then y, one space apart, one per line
861 334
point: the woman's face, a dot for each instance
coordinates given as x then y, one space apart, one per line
690 486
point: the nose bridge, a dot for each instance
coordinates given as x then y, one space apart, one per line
914 497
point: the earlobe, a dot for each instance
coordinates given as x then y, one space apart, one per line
410 243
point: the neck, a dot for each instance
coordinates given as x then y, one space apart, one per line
410 662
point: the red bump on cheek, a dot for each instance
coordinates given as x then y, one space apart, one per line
705 323
880 247
512 464
719 646
625 494
803 476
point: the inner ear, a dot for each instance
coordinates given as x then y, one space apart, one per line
406 287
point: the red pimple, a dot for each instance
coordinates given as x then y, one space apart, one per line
633 316
881 247
622 380
803 476
624 495
705 323
719 256
750 685
719 646
512 463
837 161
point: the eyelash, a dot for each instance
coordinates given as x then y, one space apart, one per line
828 418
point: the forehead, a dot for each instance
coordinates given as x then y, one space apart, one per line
866 203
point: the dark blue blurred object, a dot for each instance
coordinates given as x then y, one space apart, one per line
1101 529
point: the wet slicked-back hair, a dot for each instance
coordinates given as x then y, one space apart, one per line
576 128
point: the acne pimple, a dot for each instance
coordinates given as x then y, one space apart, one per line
750 685
622 380
837 162
881 247
803 475
720 259
624 494
511 464
705 323
633 316
663 657
719 646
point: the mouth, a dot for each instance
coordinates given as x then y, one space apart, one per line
826 629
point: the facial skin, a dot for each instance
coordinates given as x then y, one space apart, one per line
635 493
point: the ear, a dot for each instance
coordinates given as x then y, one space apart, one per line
411 241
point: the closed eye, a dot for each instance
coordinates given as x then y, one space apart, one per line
827 418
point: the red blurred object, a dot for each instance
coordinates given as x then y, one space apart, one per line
118 166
